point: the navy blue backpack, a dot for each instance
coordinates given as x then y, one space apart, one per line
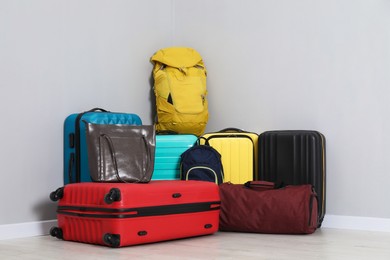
202 163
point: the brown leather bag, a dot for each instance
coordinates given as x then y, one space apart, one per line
260 207
120 153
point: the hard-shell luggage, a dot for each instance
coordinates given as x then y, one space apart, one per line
238 150
122 214
169 148
294 157
75 145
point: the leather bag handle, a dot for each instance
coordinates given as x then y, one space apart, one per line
113 157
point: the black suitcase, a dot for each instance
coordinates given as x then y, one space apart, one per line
294 157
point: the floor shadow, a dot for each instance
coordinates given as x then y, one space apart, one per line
46 210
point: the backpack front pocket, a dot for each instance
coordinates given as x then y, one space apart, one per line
188 96
202 173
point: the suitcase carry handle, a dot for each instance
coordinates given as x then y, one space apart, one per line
235 130
96 109
166 132
231 129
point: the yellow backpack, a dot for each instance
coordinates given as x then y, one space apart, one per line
180 89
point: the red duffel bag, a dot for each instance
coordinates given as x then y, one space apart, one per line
260 207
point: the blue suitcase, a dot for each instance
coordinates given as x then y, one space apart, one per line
169 148
75 146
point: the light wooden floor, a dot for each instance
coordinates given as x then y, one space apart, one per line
323 244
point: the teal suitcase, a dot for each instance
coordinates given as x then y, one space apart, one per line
75 145
169 148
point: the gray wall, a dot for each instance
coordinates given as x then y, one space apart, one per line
304 64
62 57
281 64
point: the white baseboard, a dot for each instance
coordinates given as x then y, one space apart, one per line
29 229
40 228
357 223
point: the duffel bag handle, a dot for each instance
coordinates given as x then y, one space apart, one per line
263 185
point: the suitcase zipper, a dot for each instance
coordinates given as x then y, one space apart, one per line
138 212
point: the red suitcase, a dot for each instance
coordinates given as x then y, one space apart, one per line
122 214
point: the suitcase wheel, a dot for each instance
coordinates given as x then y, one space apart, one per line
57 194
112 240
113 195
56 232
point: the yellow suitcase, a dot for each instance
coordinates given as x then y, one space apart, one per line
238 150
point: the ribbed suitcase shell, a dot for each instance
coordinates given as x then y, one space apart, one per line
169 148
70 140
142 215
238 151
294 157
